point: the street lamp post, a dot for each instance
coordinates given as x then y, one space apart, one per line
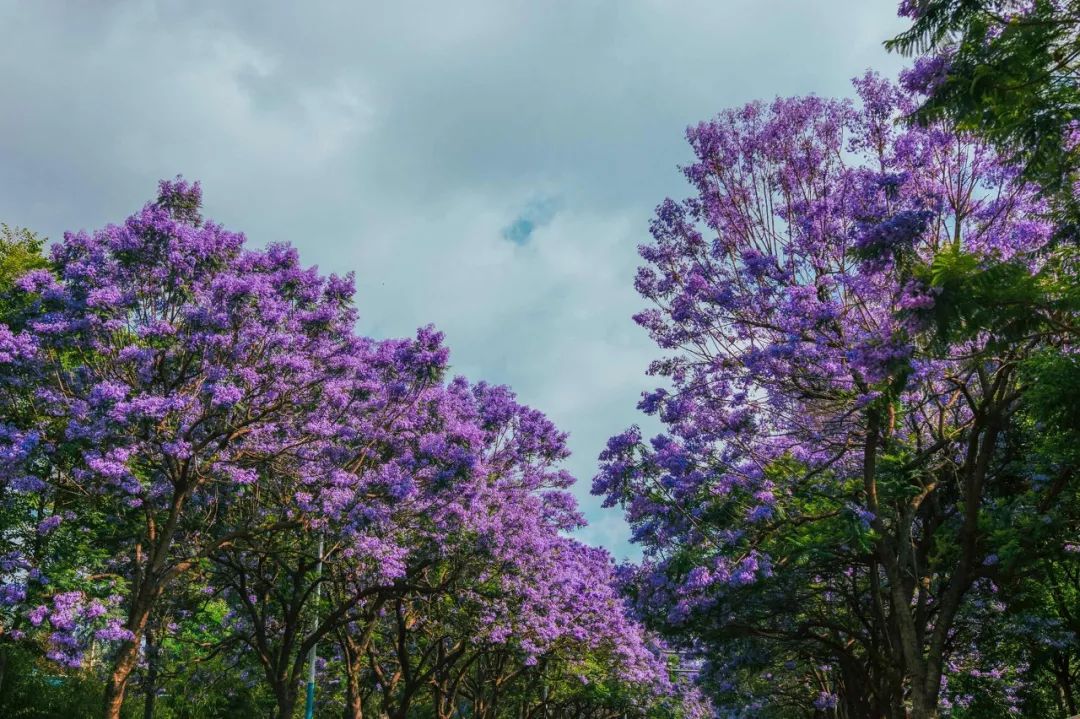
309 704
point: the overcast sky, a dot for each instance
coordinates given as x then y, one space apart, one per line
488 166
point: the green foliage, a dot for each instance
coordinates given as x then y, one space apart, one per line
33 689
1012 77
20 252
1053 378
973 297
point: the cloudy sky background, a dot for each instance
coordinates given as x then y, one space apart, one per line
486 165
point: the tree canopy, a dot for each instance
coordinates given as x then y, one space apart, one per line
853 315
207 475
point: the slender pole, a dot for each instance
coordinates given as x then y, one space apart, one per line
309 704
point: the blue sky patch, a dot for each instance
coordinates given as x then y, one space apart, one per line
536 214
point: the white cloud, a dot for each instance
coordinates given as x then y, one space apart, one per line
400 140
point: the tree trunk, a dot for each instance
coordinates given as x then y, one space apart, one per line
925 710
150 580
353 652
443 698
923 702
1062 674
128 654
402 709
354 701
118 679
285 695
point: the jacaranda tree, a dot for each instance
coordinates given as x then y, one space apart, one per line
846 306
206 473
173 365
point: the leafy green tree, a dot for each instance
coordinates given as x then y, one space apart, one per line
20 252
1006 70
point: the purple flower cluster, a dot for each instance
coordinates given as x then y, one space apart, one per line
784 296
215 402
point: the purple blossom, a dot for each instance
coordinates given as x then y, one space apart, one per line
791 296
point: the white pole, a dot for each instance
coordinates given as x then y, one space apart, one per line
309 705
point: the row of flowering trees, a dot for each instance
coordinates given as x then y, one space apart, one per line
865 501
207 478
